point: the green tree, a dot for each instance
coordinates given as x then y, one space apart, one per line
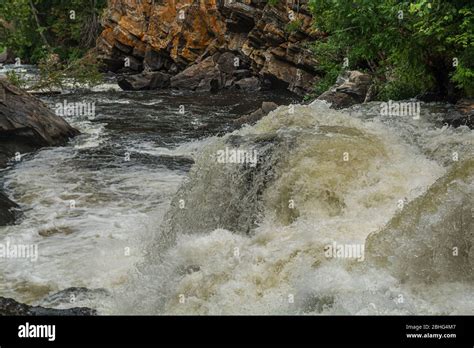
35 28
410 46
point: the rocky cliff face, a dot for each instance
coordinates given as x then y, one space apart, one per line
222 42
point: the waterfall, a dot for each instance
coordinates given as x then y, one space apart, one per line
247 238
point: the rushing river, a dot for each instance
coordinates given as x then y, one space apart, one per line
138 216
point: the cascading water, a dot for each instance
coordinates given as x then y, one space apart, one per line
254 239
248 229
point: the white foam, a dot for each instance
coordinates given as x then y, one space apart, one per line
284 258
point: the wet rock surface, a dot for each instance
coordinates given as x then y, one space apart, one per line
144 81
8 210
26 124
463 114
253 117
10 307
351 88
431 238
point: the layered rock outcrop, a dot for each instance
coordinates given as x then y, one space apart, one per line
222 42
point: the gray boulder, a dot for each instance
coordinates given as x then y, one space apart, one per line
249 84
351 88
26 124
144 81
253 117
203 76
10 307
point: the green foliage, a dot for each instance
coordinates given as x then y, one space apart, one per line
408 45
329 65
76 73
293 26
15 79
58 75
463 76
33 29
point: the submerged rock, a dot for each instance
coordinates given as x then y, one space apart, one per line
463 114
253 117
239 168
10 307
432 238
7 210
144 81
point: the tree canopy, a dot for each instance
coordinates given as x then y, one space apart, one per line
411 46
35 28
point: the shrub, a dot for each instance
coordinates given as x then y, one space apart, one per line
409 46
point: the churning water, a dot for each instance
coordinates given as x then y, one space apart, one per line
160 224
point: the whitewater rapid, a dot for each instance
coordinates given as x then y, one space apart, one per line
233 238
253 241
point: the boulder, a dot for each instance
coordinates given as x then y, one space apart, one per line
160 80
7 210
216 72
144 81
249 84
351 88
26 124
464 115
10 307
203 76
227 62
253 117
